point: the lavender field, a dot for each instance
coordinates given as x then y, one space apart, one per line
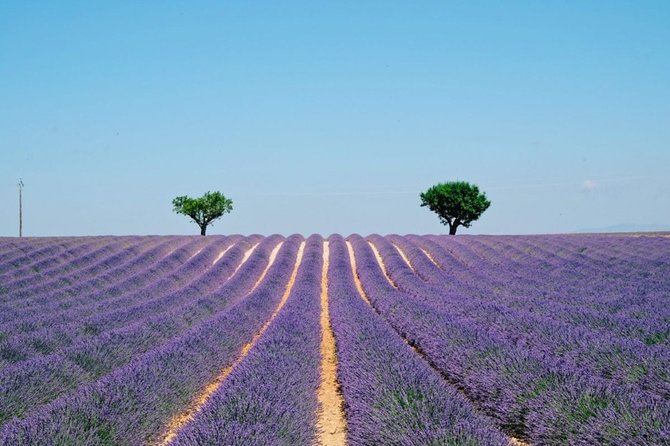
378 340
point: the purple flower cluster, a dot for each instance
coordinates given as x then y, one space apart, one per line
270 397
59 325
543 380
102 342
59 305
606 355
32 307
85 353
392 396
132 404
119 337
19 256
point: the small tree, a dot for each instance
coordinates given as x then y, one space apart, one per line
456 203
203 210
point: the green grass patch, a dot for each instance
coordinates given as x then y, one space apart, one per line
41 346
657 338
10 354
90 329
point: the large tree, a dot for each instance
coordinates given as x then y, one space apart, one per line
456 203
203 210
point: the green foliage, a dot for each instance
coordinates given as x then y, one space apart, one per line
42 346
456 203
657 338
90 329
203 210
10 354
636 373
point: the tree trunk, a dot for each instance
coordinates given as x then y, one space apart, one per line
452 229
203 229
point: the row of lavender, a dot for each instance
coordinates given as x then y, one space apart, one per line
60 323
134 403
391 396
540 324
490 314
270 397
625 276
169 297
133 392
541 263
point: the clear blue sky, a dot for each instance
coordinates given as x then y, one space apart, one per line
333 116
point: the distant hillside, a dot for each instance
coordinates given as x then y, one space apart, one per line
628 227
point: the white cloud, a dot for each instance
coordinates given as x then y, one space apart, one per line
589 186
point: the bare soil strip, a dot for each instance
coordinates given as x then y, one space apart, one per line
381 264
430 257
271 260
512 440
195 254
221 254
245 258
404 257
331 423
180 420
357 280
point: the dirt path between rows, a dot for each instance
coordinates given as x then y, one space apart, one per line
404 257
378 256
271 260
180 420
244 259
221 254
357 280
430 257
195 254
331 423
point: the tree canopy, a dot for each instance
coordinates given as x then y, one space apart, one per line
456 203
203 210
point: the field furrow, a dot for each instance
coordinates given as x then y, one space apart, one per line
512 383
101 314
391 395
127 279
85 267
42 379
157 385
578 348
331 423
644 317
269 396
182 419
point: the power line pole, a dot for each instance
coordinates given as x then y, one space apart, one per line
20 185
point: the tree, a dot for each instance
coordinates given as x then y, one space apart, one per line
203 210
456 203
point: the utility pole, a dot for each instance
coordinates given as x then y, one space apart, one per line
20 185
